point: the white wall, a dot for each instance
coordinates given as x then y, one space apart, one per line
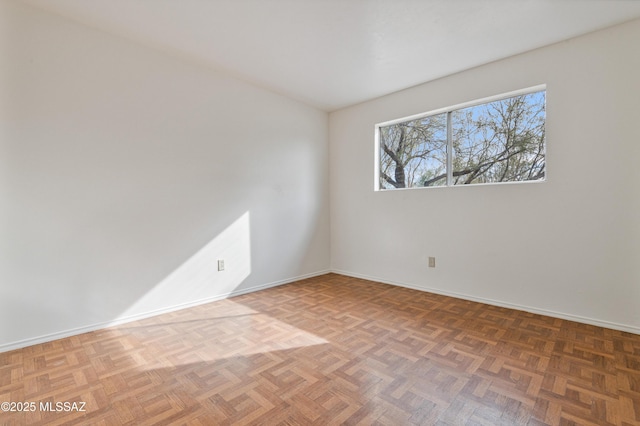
569 246
125 174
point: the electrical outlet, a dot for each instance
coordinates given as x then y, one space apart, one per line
220 264
432 262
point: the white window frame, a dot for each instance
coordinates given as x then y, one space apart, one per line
448 110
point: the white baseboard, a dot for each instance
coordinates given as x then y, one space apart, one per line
554 314
98 326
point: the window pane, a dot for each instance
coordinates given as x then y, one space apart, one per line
414 153
501 141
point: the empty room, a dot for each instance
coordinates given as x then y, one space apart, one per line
319 212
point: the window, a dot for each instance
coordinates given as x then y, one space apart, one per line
501 140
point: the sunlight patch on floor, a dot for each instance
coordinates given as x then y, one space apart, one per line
231 330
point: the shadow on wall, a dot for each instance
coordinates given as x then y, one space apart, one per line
46 312
195 278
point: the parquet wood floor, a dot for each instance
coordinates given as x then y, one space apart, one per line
333 350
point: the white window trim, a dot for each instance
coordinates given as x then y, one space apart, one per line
448 110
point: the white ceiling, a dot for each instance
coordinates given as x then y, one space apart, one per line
334 53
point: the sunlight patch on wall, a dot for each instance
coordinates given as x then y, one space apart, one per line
198 278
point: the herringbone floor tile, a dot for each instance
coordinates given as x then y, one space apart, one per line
332 350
